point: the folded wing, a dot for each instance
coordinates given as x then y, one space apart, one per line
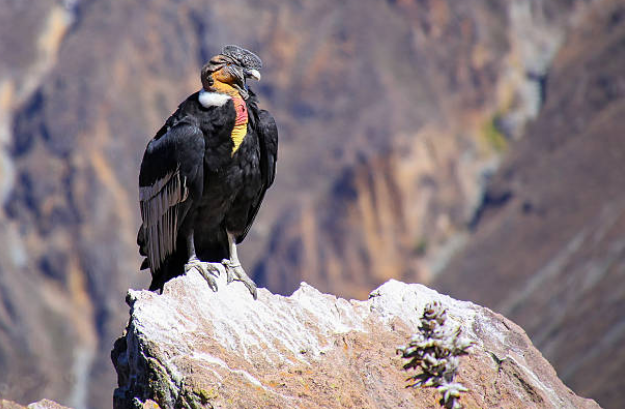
170 170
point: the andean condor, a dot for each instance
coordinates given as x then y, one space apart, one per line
204 175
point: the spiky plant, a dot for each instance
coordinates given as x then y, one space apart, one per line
435 350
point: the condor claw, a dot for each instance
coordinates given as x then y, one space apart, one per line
210 271
235 272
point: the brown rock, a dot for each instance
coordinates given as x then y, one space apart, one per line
42 404
191 347
7 404
46 404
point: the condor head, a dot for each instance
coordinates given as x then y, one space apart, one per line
233 66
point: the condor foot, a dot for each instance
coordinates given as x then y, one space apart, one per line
210 271
235 272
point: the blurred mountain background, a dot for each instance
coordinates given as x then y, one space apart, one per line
476 146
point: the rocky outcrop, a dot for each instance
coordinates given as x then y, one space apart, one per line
191 348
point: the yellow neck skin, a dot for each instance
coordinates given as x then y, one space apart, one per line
240 126
224 88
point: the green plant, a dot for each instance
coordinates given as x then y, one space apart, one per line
435 350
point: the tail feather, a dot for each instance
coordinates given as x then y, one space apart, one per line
141 242
172 266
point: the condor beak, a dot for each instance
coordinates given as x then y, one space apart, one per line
252 74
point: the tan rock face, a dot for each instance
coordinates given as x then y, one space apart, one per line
551 256
191 347
407 186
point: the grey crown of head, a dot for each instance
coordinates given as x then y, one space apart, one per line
245 57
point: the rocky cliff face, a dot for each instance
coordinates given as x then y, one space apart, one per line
548 249
194 348
413 176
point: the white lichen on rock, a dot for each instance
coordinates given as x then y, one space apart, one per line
435 349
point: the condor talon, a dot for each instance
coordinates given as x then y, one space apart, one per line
229 276
234 269
237 273
210 271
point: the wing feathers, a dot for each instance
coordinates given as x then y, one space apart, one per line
160 219
167 182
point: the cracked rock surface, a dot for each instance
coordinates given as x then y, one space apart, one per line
191 347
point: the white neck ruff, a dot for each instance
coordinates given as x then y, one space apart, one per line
212 99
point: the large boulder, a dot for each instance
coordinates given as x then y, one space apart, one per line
191 347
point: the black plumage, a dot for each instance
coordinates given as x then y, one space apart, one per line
196 189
